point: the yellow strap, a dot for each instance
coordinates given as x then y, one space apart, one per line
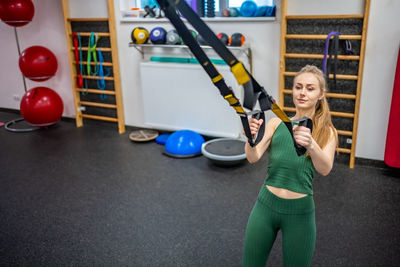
278 112
240 73
231 99
239 109
217 79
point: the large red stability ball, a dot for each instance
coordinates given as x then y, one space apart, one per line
38 63
16 13
41 106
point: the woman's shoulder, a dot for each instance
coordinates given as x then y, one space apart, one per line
274 123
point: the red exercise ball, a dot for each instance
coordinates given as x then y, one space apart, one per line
41 106
16 13
38 63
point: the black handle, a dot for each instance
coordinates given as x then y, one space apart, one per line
306 122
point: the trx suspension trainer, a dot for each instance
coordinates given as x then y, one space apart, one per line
253 91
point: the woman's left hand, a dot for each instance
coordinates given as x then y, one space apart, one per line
302 136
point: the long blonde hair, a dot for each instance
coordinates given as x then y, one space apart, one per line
322 122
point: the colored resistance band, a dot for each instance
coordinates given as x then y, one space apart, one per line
326 63
82 70
92 53
348 47
80 81
253 91
101 84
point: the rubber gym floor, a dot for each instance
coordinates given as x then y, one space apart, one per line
90 197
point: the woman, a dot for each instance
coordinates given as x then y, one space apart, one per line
285 201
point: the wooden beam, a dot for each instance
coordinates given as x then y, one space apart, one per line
98 105
102 34
72 68
96 91
329 95
338 76
103 49
346 133
282 66
320 56
321 36
343 150
109 64
102 118
333 113
359 83
351 16
115 60
97 78
86 19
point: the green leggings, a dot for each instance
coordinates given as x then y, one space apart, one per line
296 219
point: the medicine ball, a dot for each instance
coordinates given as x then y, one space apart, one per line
234 12
260 12
173 38
158 35
223 37
201 40
140 35
226 13
237 39
194 33
248 8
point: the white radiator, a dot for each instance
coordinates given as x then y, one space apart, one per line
182 96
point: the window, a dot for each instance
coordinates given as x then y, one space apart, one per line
219 4
238 3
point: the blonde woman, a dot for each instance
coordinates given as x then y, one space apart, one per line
285 201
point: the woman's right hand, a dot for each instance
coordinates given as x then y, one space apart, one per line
255 125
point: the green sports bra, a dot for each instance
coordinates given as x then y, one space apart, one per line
285 168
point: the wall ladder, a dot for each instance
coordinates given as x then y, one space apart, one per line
88 104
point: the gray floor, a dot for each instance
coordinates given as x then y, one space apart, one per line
91 197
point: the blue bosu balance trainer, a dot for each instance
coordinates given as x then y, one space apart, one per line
183 144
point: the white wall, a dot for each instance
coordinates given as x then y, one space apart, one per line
383 39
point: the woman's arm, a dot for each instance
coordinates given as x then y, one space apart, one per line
253 154
322 158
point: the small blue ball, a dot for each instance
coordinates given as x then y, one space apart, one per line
248 8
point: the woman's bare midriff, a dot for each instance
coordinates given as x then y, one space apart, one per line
284 193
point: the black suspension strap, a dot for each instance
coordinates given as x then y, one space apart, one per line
253 91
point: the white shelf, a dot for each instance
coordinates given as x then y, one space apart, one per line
241 48
139 47
216 19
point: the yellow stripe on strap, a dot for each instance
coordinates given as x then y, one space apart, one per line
239 109
278 112
217 78
231 99
240 73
